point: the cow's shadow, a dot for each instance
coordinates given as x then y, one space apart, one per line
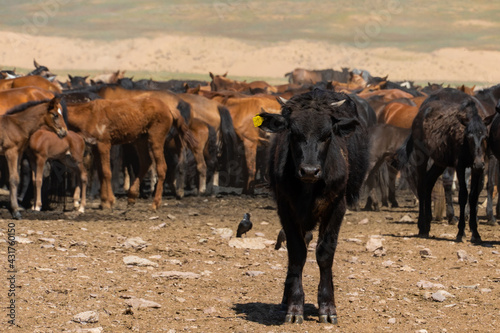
270 314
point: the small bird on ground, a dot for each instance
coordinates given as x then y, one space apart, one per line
244 226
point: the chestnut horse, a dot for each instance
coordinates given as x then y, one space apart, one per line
17 125
143 121
15 96
26 81
221 82
45 144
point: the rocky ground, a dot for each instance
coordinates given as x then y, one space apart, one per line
181 269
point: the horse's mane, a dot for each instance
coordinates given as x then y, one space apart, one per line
24 106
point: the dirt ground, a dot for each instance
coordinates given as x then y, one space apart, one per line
68 264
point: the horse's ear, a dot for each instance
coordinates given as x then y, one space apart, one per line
86 77
473 87
225 74
70 77
487 121
54 102
385 78
35 63
211 75
92 82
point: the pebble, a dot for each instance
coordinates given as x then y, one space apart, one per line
391 321
138 261
441 295
47 240
90 330
224 233
406 219
23 240
363 221
140 303
137 243
177 275
87 317
425 252
254 273
255 243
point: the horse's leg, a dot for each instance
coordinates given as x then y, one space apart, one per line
421 192
250 155
384 184
462 200
325 251
38 181
107 196
144 164
393 173
157 145
12 156
497 178
430 179
477 180
448 175
201 167
179 168
490 185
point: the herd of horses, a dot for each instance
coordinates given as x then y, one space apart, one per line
202 132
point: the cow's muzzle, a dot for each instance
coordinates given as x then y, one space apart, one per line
309 173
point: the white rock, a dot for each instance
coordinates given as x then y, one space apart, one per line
353 240
406 219
254 273
363 221
428 285
23 240
140 303
224 233
138 261
256 243
441 295
391 321
137 243
47 240
176 275
90 330
87 317
373 244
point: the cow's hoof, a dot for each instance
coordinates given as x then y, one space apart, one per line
16 215
328 319
294 319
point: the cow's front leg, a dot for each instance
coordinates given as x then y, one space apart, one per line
293 296
325 251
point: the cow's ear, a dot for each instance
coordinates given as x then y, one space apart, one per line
344 126
270 122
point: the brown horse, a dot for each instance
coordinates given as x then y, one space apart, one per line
143 121
26 81
45 144
221 82
17 125
12 97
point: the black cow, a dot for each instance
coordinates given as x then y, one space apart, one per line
317 162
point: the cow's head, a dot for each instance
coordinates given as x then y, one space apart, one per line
312 134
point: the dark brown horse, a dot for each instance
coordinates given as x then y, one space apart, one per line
12 97
17 125
143 121
44 145
449 130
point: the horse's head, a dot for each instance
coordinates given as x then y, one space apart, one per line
219 82
475 134
54 118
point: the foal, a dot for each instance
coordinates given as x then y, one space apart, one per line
17 125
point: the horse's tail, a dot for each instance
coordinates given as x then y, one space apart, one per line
402 155
180 123
228 148
211 159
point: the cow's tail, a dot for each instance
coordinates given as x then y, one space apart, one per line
402 155
228 146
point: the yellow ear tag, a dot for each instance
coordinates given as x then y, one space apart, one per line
257 120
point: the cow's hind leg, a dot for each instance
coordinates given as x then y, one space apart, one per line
325 251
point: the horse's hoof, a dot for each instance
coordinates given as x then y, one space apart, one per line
16 215
491 222
476 240
395 205
453 220
459 239
423 235
294 319
328 319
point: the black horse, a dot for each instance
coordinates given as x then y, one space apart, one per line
449 130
